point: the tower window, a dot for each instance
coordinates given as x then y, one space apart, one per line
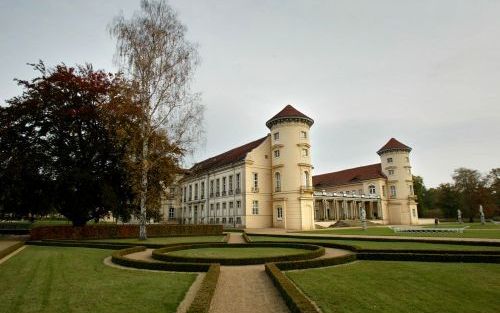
276 153
277 182
276 136
279 213
255 180
171 213
371 189
305 152
411 189
391 172
389 160
303 134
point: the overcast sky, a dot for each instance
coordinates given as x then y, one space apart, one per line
424 72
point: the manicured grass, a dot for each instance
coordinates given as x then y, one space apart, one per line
488 225
55 279
371 286
386 231
166 240
380 244
237 253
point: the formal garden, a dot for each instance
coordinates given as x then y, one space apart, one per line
188 268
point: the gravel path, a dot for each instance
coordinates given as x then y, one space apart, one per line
236 238
246 289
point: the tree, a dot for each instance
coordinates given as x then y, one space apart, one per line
448 199
420 192
468 183
57 134
154 53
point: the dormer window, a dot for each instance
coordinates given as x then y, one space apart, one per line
276 136
389 160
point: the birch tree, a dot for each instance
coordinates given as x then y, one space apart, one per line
153 51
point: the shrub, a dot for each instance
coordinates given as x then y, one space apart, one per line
420 257
79 244
5 252
315 251
121 231
119 257
202 300
295 265
294 298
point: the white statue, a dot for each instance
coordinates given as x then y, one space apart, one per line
459 214
363 218
481 214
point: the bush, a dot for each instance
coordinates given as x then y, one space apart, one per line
119 257
15 225
294 298
472 258
304 264
315 251
77 244
121 231
202 300
5 252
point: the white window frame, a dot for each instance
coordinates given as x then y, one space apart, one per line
372 190
393 191
255 207
276 153
279 213
171 213
276 136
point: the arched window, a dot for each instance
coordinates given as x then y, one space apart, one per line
306 178
371 189
277 177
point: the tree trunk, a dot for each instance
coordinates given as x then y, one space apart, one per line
144 185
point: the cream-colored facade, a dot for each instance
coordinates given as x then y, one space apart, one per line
269 183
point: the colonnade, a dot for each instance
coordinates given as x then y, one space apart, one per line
329 208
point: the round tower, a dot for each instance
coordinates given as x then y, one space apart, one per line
395 160
292 193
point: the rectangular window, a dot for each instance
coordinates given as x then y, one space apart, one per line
411 189
255 181
276 153
414 212
211 208
389 160
238 187
303 134
305 152
196 191
202 189
276 136
223 184
230 184
393 191
212 188
217 209
217 187
391 172
224 208
190 192
171 213
255 207
279 213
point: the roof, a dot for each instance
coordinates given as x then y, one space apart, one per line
289 112
228 157
349 176
393 145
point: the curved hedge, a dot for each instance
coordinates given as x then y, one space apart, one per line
119 257
315 251
423 257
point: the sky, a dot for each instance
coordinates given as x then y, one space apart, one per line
425 72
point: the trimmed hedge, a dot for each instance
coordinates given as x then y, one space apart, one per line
5 252
121 231
203 299
297 265
315 251
296 301
471 242
15 225
119 257
246 238
422 257
77 244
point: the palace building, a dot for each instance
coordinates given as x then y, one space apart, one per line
269 182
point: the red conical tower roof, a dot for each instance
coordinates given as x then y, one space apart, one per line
393 145
289 112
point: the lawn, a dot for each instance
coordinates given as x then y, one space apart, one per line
237 253
488 225
371 286
55 279
493 233
167 240
381 244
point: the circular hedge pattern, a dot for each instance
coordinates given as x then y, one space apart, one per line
304 252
